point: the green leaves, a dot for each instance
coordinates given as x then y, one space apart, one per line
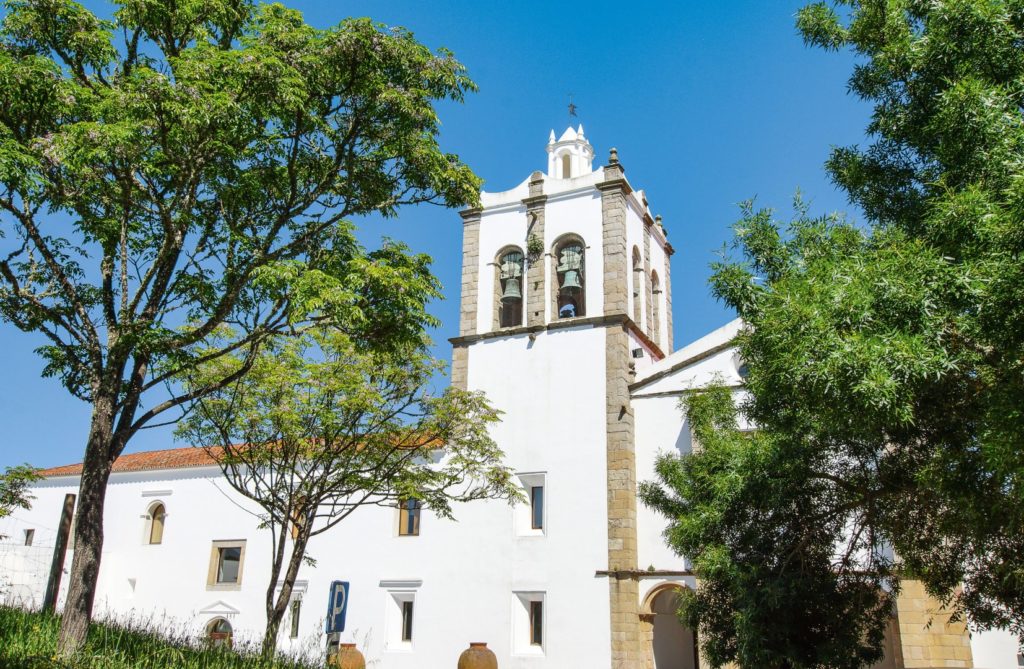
885 359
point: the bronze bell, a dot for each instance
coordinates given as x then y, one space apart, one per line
571 282
511 291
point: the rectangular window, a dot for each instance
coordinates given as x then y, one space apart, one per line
537 507
407 620
227 564
30 535
296 610
536 623
227 559
409 518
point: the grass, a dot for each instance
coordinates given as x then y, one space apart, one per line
28 640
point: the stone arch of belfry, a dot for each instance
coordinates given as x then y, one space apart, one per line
655 623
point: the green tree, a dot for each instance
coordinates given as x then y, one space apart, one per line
318 429
774 591
887 356
14 489
191 165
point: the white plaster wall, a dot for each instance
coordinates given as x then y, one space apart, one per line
996 649
552 391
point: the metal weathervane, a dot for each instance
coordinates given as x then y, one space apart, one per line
572 108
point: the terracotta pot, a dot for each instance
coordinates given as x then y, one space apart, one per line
349 657
478 656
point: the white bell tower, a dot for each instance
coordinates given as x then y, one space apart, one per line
571 155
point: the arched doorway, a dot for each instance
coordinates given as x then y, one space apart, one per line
219 633
673 644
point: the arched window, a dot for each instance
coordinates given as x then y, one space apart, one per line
570 270
638 282
655 309
219 633
566 166
510 288
157 513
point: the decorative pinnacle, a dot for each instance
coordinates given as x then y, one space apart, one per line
613 156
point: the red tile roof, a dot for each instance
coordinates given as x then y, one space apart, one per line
172 458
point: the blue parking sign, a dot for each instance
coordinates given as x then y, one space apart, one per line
337 606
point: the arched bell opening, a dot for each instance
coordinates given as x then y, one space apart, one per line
508 284
570 274
673 644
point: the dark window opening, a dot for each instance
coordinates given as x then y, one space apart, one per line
537 507
296 612
536 623
30 536
407 620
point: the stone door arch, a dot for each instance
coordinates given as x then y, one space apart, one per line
672 645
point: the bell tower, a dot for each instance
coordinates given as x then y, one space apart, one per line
565 296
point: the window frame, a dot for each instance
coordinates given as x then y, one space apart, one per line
536 610
153 521
526 624
215 562
30 536
534 524
404 514
295 613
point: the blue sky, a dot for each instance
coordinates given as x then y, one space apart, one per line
708 103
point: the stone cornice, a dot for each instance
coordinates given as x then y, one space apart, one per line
593 321
535 200
471 214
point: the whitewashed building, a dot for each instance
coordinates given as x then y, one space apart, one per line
566 323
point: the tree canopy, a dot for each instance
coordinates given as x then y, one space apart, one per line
885 356
193 166
319 429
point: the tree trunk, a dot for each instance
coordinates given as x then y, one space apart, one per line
275 613
88 535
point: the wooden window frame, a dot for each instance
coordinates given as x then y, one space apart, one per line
156 521
403 517
211 577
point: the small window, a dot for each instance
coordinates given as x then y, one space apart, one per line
156 523
409 518
296 612
227 559
638 282
537 507
219 633
566 166
1020 660
510 286
536 623
407 620
655 309
30 536
227 564
571 272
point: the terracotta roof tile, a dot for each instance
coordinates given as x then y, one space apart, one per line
172 458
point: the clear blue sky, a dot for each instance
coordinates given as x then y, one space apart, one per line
708 103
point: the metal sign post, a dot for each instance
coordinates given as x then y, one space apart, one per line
337 607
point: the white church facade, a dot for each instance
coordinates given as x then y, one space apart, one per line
566 324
